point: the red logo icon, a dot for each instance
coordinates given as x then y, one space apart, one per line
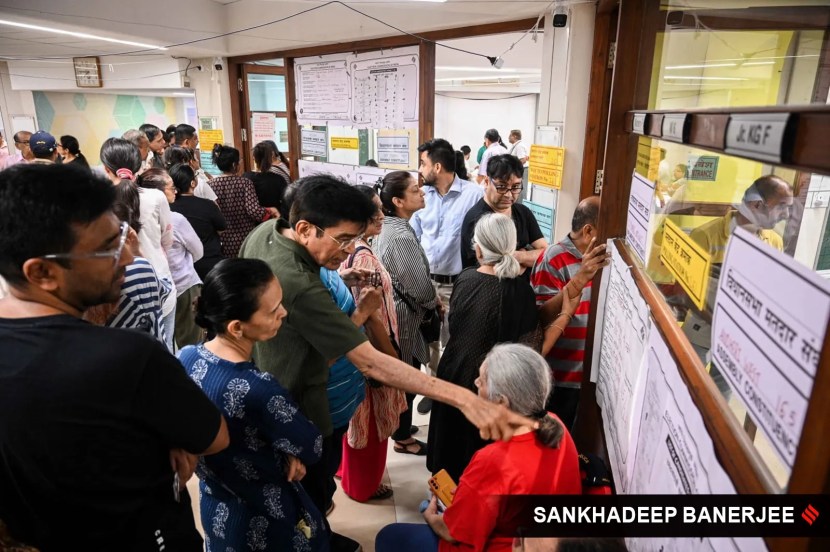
810 514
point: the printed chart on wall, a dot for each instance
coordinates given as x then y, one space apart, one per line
638 223
674 453
367 90
353 174
765 342
620 382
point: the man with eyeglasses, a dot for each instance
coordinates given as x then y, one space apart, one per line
327 217
24 152
447 199
502 187
99 428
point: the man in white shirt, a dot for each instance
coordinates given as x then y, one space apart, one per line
494 147
517 147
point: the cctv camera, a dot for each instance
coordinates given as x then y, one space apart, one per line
560 17
217 64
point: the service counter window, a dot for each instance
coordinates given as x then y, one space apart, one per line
726 59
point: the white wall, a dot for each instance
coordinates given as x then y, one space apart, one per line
463 121
117 73
13 102
213 97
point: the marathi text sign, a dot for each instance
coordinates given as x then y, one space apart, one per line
765 341
687 261
545 166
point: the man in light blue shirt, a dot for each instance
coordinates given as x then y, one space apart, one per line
438 226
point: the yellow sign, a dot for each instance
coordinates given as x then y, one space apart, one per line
687 261
344 143
648 159
208 138
546 164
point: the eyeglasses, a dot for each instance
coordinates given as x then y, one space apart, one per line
502 187
114 253
341 244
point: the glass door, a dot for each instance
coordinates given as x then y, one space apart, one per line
265 106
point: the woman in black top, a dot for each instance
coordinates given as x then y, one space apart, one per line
202 214
269 181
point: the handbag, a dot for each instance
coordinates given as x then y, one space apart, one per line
430 325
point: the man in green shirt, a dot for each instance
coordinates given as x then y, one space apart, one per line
327 217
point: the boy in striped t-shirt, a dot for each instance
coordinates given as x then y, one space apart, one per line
575 259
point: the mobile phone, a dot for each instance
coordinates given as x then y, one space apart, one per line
374 279
442 486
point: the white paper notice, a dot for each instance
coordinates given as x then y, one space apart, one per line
393 150
313 142
323 89
675 454
355 175
385 91
769 323
640 203
620 382
263 127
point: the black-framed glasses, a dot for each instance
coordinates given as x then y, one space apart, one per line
502 187
341 244
115 253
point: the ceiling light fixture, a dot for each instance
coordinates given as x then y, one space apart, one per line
683 77
78 35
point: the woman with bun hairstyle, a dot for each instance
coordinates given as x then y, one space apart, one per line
490 304
251 495
237 199
70 151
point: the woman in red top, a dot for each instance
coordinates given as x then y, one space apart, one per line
537 462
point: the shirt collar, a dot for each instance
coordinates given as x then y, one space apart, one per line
457 186
281 241
569 246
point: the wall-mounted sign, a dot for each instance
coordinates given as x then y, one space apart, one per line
675 127
638 125
344 143
544 217
704 167
761 136
545 166
263 127
313 142
687 261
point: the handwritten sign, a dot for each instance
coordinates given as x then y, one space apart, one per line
766 344
545 166
687 261
758 136
344 143
313 142
675 127
640 201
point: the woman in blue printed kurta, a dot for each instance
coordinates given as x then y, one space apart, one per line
251 497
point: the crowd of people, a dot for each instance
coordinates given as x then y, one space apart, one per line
305 317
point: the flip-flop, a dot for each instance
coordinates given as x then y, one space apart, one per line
403 448
382 493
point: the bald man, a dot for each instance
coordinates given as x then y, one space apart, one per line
24 152
570 260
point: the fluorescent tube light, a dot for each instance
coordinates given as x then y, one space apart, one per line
78 35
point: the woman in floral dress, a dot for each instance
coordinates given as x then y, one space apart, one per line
251 495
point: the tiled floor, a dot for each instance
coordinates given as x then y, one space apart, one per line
407 474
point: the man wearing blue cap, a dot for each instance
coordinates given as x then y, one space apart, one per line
43 147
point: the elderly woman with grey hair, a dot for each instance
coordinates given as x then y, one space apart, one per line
534 462
490 304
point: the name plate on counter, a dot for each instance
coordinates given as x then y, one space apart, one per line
674 127
758 135
638 126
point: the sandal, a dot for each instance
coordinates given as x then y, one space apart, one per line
405 448
383 492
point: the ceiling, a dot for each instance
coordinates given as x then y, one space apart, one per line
192 28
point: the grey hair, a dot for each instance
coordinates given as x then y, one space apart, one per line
136 137
495 235
520 375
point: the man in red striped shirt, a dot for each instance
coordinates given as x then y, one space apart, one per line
571 260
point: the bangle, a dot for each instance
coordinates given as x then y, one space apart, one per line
564 314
